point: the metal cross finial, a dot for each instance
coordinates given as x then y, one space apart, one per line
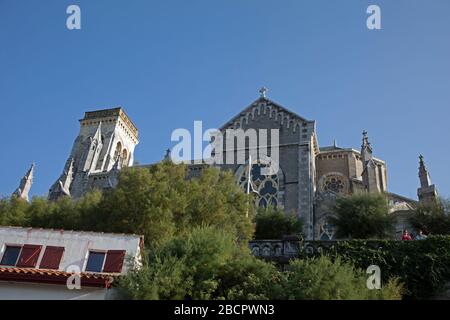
421 159
167 156
263 92
365 133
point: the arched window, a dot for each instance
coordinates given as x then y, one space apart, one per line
326 229
125 157
266 188
118 151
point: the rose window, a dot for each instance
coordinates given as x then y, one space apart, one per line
334 184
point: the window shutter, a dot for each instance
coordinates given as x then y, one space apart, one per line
114 261
29 256
52 258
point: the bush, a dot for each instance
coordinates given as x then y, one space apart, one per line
422 266
272 223
363 216
206 263
325 279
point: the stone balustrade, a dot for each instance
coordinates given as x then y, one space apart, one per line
287 248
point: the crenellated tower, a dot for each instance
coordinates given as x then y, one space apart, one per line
106 137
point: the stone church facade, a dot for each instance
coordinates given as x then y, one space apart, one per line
309 179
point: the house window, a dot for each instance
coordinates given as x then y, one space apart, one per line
114 261
29 256
11 255
109 262
52 258
95 261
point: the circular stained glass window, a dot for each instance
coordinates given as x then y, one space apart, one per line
334 184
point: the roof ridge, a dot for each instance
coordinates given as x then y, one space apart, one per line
247 111
71 231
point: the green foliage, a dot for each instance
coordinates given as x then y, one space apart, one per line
247 278
272 223
188 266
158 202
423 266
325 279
432 218
363 216
215 199
196 231
13 211
145 202
207 263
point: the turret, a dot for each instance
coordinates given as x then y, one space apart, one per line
25 184
372 176
427 192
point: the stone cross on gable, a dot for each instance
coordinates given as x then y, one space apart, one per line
263 91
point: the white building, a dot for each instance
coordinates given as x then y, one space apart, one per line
48 264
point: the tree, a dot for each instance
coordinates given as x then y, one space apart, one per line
144 202
362 216
13 211
433 218
273 223
160 202
215 199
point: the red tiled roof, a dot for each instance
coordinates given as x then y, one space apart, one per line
53 276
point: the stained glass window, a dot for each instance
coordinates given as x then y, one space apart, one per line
334 184
327 230
265 187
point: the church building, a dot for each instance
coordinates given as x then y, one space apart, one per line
309 179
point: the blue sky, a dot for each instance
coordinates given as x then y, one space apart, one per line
171 62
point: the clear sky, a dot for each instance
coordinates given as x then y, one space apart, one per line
170 62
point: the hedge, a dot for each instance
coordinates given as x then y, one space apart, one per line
422 265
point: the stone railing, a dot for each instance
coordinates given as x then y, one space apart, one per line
286 248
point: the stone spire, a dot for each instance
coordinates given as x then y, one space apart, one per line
92 150
25 184
61 187
370 175
427 192
366 147
424 176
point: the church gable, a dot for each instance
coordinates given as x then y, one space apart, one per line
265 109
266 114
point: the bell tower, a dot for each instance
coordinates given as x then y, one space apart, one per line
105 137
